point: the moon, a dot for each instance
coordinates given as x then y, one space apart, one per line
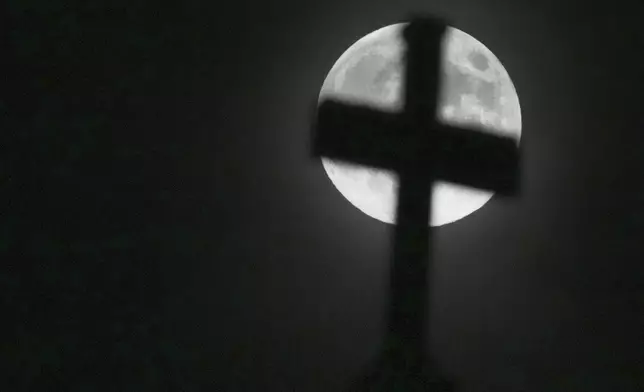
475 90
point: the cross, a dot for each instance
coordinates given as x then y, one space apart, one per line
419 149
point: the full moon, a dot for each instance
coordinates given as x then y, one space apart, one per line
475 90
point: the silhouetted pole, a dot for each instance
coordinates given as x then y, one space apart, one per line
419 150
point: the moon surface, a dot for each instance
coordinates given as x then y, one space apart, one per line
475 90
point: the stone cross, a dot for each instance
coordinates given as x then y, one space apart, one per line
419 149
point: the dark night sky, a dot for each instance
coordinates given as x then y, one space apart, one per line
164 226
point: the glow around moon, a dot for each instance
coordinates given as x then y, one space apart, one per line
475 89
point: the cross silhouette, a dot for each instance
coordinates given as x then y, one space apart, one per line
418 149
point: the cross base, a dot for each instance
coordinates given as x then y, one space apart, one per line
393 373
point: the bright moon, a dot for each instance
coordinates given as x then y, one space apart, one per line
475 90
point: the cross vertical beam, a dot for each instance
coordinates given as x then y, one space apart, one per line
407 323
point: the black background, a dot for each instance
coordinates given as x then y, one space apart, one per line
164 227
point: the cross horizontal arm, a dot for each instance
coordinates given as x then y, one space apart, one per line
356 133
469 156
